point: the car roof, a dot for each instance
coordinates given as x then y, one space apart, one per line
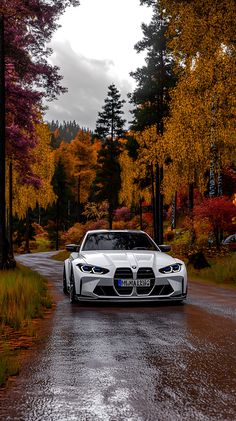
110 230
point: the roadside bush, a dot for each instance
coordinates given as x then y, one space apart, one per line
76 233
219 212
41 241
23 294
122 214
222 270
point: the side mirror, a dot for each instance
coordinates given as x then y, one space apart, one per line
164 247
72 247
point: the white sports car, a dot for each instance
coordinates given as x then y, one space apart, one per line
120 266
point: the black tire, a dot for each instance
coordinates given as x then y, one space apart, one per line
72 288
65 289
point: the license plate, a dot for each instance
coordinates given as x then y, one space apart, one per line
132 282
143 282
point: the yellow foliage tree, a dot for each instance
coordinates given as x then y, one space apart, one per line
203 102
129 193
27 196
150 152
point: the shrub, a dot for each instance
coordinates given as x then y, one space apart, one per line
218 211
76 233
23 294
122 214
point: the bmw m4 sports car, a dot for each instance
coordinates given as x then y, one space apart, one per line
120 266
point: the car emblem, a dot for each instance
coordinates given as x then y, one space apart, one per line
134 267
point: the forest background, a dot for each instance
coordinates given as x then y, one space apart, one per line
172 173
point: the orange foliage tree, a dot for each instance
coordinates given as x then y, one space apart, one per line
79 158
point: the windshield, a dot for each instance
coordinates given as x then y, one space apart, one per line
118 241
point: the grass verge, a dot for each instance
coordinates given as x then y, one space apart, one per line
24 296
222 271
61 256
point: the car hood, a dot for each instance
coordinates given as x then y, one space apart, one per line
127 259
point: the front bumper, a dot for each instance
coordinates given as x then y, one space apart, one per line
104 289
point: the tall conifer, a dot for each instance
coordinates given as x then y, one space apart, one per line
151 98
109 129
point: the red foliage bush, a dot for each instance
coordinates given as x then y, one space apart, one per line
122 214
220 212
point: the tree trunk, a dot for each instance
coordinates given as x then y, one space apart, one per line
212 238
39 214
78 200
160 226
220 183
110 215
11 254
212 182
27 232
158 205
190 197
140 214
154 209
57 226
173 211
4 246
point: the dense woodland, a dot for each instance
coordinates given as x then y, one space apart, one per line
173 173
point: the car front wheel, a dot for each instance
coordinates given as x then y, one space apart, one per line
65 289
72 289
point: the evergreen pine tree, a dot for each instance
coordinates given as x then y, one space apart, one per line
151 97
109 128
154 80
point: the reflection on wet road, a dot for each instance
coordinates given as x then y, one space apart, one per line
131 363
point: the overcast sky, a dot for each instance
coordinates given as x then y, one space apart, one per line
93 48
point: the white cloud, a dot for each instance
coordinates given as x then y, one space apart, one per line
93 48
87 80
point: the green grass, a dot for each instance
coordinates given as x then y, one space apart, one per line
23 297
222 271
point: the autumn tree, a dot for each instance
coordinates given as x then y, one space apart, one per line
28 28
200 135
109 129
25 79
79 158
28 196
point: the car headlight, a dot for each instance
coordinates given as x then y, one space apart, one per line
92 269
176 267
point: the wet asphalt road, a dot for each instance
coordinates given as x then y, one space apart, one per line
112 363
